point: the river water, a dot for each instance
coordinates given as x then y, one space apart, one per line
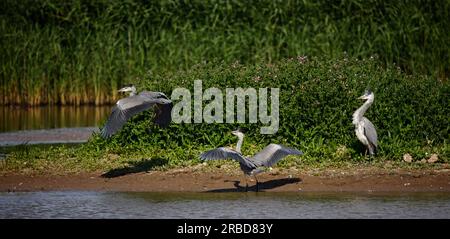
87 204
50 124
51 117
21 125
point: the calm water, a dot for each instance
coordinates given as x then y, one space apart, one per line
50 117
74 204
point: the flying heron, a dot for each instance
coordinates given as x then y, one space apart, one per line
271 154
365 130
128 107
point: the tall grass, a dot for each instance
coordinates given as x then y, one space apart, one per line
77 52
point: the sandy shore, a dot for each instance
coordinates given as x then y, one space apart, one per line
188 180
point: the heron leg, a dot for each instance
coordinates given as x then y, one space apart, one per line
371 151
246 183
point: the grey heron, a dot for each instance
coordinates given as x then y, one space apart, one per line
267 157
135 103
365 130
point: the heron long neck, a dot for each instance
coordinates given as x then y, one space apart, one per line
357 116
133 92
239 144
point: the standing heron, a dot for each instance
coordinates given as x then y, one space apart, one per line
127 107
365 130
271 154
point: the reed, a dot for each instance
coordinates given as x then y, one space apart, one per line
80 52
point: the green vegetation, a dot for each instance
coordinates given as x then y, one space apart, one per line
76 51
64 160
317 99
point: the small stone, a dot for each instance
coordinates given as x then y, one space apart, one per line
434 158
407 158
406 184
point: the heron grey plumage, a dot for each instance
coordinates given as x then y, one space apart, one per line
364 129
128 107
251 166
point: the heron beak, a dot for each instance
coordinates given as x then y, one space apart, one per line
165 101
363 97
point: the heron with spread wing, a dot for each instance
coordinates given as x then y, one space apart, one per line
128 107
270 155
364 129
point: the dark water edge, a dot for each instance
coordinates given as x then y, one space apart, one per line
47 136
82 204
51 117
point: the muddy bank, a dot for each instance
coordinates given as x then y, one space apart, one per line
188 180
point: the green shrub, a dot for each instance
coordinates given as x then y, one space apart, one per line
317 99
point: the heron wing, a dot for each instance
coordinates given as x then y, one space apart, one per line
273 153
225 153
152 94
114 123
163 115
370 132
123 111
164 106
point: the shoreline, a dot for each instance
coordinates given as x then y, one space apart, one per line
75 135
216 180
